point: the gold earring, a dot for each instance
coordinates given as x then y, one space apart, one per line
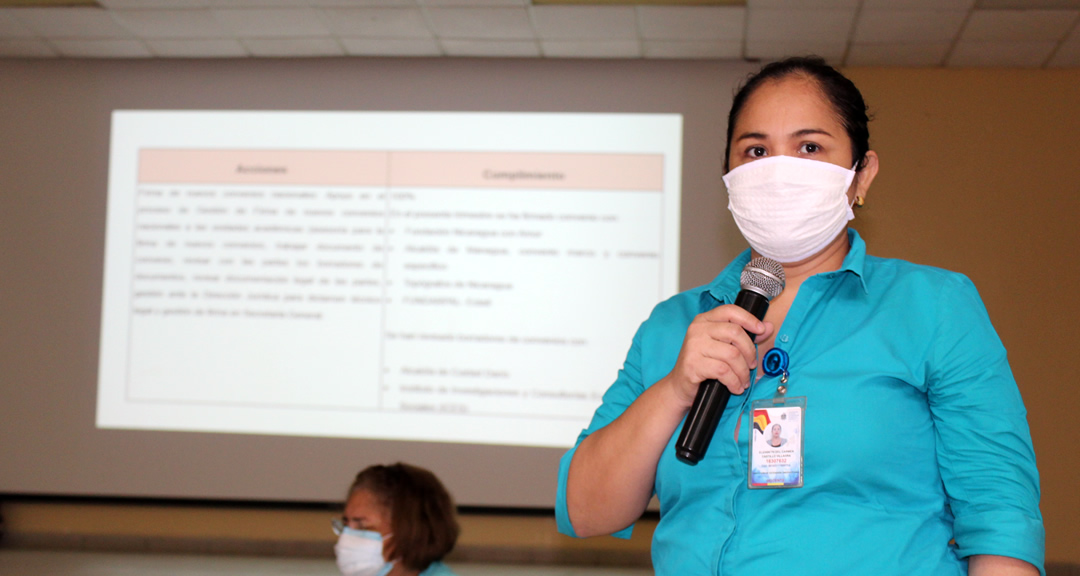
859 201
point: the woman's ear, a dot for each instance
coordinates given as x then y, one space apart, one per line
865 176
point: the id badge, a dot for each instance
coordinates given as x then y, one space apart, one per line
776 443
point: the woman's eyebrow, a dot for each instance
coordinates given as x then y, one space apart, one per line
809 131
750 135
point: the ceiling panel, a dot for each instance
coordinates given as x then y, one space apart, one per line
1027 4
908 26
801 4
264 22
202 48
492 23
585 22
391 47
1019 25
11 27
698 49
692 22
377 22
471 3
591 49
102 48
198 23
122 4
944 5
1003 33
788 26
25 48
296 47
69 22
260 3
491 48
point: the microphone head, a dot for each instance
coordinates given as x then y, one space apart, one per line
764 276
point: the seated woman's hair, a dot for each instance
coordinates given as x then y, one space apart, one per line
422 516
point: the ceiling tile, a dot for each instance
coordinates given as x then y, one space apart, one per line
377 22
12 27
699 49
692 22
204 48
833 52
823 26
911 55
25 48
943 5
170 23
1026 25
1027 4
391 47
755 4
260 3
1068 54
444 3
292 47
907 26
153 4
272 22
1003 54
1010 33
72 23
585 22
491 48
481 23
102 48
588 49
364 3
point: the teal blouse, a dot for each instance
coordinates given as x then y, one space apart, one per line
437 569
917 452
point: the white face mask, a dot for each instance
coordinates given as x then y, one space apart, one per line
360 553
789 208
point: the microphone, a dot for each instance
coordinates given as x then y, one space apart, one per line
762 279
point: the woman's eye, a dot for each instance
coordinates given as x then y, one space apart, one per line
810 148
756 152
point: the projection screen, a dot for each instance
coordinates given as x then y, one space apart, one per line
437 277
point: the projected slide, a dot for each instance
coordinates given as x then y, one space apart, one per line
472 278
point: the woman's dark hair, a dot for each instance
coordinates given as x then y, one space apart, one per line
422 517
845 98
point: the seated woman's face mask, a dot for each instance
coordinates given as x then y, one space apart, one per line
359 553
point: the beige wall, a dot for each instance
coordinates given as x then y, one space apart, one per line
979 174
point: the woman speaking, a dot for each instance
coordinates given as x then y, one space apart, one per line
906 447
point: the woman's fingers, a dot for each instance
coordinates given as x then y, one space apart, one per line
732 314
717 347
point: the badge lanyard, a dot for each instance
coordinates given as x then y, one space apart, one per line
776 430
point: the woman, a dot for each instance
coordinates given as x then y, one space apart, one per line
941 478
398 521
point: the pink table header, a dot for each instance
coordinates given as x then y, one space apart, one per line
630 172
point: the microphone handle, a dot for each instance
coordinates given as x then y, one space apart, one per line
712 396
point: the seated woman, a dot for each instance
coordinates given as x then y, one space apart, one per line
399 520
